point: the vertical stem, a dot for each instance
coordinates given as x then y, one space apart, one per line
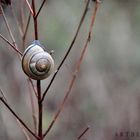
40 111
35 21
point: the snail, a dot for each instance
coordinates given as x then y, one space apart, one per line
36 62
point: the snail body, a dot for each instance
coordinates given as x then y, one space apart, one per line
36 62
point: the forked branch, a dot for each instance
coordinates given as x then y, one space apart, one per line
69 49
18 118
40 8
30 8
77 68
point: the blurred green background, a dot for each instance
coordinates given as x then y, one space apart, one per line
106 95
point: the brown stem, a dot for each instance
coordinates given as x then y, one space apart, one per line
25 32
23 130
72 81
31 82
29 6
33 109
35 20
18 118
8 28
1 36
39 110
27 26
40 8
83 133
22 16
69 49
17 22
20 125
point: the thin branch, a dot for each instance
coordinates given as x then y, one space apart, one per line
83 133
27 26
22 128
40 106
40 110
9 29
60 108
33 87
69 49
7 25
3 96
17 22
21 16
24 37
30 8
17 117
35 21
33 109
75 72
1 36
40 8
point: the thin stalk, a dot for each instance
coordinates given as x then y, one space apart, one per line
69 49
22 16
40 107
29 6
20 125
17 22
39 110
35 21
33 109
23 130
40 8
83 133
8 42
31 82
9 29
18 118
77 68
27 26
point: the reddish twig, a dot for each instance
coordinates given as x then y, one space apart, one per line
3 96
40 8
35 92
1 36
40 112
30 8
75 72
27 26
7 25
22 16
20 125
35 21
23 130
9 30
18 118
33 109
83 133
69 49
17 22
40 109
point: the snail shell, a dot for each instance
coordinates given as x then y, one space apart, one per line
37 63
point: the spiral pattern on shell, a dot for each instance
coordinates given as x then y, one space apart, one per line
37 63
